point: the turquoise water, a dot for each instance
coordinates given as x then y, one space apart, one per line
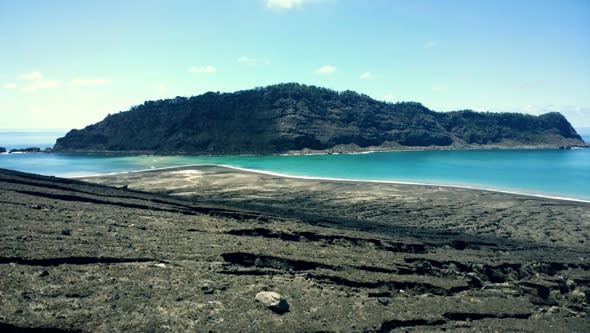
563 173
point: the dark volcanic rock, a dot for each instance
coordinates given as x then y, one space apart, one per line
26 150
2 150
292 117
343 256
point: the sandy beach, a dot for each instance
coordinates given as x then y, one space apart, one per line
189 249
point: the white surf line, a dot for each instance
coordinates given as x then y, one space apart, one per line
350 180
140 170
394 182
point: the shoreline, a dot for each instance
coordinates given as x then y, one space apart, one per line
305 152
474 186
333 150
344 180
190 249
363 204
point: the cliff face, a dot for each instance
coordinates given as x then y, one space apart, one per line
289 117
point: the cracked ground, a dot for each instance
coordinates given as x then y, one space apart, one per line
188 249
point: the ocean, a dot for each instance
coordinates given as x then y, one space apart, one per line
25 138
555 173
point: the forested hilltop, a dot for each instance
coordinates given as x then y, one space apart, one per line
294 117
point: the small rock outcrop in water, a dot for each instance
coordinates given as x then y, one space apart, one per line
2 150
26 150
273 301
293 117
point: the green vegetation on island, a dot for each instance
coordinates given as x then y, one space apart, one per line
294 117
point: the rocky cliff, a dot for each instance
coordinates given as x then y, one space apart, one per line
293 117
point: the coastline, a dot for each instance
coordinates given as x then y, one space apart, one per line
389 182
190 248
263 191
345 149
559 193
395 182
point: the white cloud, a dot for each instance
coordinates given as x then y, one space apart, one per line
202 70
327 69
283 4
38 82
31 76
90 82
430 44
388 97
531 109
480 108
9 86
366 76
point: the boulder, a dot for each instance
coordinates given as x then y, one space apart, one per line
273 301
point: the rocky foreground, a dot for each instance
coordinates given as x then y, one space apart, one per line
214 249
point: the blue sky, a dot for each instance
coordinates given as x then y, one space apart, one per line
66 64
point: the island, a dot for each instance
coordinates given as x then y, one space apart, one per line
295 118
219 249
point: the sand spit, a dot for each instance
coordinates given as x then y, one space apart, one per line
189 249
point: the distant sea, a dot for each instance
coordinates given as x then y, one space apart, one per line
556 173
25 138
